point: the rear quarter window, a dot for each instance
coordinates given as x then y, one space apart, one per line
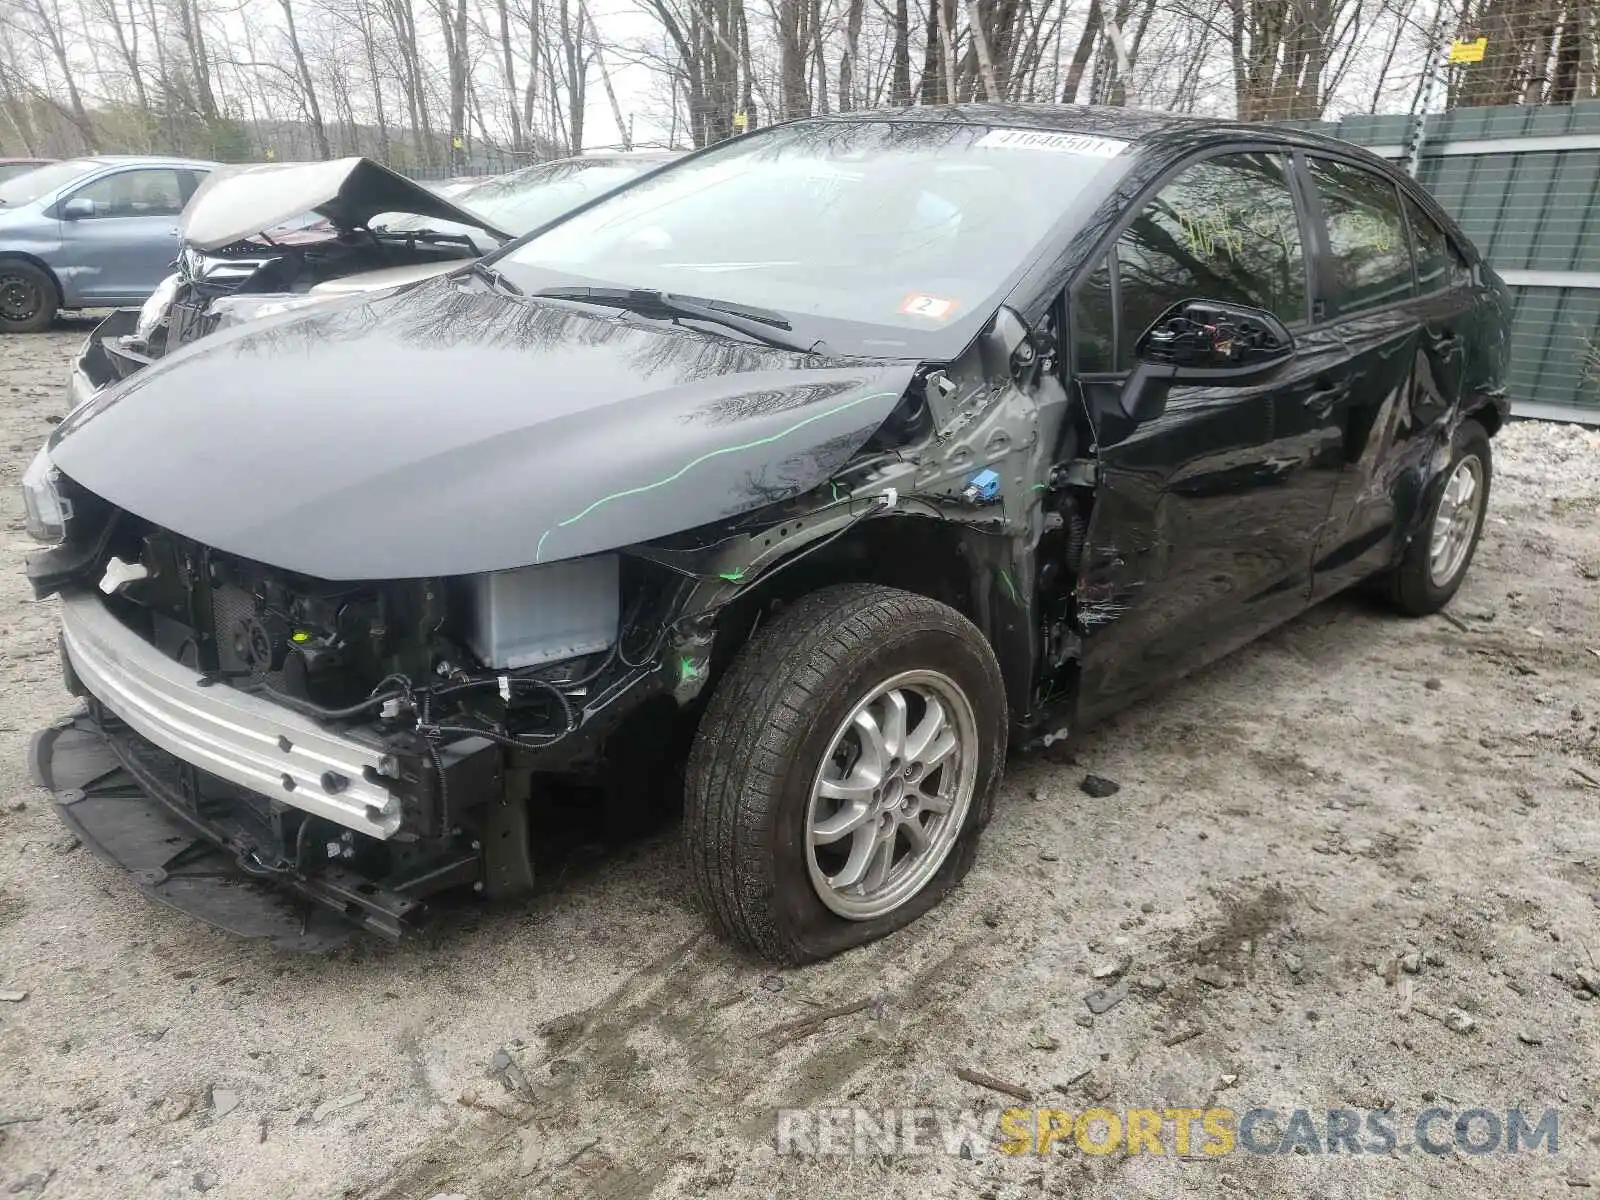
1430 248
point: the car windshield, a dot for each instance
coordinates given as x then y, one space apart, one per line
527 199
30 186
10 170
910 225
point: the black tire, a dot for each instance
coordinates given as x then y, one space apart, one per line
1412 588
28 297
766 732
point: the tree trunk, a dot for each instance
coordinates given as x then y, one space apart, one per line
900 88
930 88
530 93
605 81
980 40
192 33
1080 56
819 60
508 73
319 132
52 29
794 36
847 63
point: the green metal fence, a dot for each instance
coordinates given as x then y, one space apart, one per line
1523 183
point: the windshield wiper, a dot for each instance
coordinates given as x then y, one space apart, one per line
492 277
758 323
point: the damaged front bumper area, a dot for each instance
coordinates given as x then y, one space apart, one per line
295 759
170 775
107 356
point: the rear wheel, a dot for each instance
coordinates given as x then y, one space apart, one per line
843 771
1436 560
28 297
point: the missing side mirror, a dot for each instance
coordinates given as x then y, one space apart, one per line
1201 342
1217 343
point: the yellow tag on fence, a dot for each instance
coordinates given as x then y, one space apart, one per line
1468 52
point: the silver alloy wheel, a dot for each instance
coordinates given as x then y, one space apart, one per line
1456 520
892 794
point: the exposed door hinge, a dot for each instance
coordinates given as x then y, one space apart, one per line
1079 472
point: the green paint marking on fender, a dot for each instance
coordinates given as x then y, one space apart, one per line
1011 587
693 463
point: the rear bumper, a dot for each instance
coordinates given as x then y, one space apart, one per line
240 738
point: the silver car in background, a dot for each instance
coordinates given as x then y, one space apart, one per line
93 232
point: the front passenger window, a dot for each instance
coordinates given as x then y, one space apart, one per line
1224 230
149 193
1093 329
1366 236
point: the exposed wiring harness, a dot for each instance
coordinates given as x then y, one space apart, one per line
402 690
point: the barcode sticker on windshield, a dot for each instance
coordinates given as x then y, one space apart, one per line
1056 143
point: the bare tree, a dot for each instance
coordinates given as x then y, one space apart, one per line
308 87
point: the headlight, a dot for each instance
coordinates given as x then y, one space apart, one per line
156 309
47 512
235 310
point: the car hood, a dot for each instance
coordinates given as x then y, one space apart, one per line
384 277
240 202
447 430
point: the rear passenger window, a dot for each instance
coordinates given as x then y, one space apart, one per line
1224 230
1366 236
1430 249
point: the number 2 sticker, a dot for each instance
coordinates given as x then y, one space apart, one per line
919 304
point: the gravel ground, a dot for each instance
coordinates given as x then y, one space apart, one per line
1351 789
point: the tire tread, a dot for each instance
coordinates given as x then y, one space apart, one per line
738 763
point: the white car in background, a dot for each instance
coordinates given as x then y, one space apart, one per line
266 239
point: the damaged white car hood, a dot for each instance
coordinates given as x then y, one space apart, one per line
241 202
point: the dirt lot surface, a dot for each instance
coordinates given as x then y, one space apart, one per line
1351 789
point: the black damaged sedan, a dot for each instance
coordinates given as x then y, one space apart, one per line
794 483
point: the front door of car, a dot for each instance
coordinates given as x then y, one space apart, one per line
119 234
1396 296
1205 515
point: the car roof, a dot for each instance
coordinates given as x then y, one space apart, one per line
1137 125
623 156
1133 124
146 160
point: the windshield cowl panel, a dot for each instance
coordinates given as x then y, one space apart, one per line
884 238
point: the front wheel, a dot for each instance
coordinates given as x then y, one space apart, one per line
843 771
1436 560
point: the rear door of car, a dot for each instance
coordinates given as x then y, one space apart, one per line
118 251
1398 296
1205 516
